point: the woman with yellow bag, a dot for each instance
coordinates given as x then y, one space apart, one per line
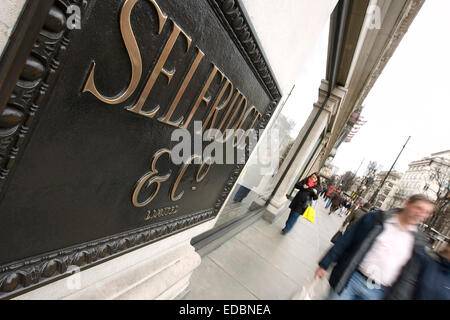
309 188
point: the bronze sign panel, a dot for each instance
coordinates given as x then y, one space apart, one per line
86 168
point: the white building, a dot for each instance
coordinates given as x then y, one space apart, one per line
425 176
380 200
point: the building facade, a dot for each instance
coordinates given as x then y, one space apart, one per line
382 193
429 176
90 204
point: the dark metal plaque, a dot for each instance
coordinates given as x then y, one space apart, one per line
85 135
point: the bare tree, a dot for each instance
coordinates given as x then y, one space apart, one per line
334 179
369 177
439 183
347 180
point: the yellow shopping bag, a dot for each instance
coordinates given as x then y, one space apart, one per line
309 214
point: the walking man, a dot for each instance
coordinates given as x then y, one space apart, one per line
371 254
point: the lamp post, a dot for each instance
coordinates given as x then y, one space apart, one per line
372 199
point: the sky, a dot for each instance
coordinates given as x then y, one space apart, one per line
408 99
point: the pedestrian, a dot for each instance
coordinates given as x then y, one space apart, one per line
242 192
328 195
323 192
349 207
429 277
371 254
350 220
356 215
344 204
308 191
336 199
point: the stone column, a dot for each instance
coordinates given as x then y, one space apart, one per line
279 202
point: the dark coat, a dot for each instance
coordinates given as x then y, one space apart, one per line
355 216
336 199
429 279
304 197
352 247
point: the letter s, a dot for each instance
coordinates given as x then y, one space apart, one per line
133 53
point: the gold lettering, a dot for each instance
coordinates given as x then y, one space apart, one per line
149 179
133 54
241 141
187 79
202 96
243 103
199 178
157 213
230 107
159 68
215 109
177 181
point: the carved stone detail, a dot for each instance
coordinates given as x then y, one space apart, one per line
230 12
410 11
53 266
37 79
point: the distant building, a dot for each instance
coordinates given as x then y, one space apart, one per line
429 176
380 200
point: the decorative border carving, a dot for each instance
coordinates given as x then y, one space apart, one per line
407 16
20 276
37 79
233 17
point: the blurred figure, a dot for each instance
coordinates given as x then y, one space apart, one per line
336 199
372 252
356 215
308 191
429 277
343 206
328 196
242 192
350 220
324 190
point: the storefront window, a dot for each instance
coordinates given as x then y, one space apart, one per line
257 179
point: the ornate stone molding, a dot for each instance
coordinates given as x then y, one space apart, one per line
231 13
36 80
18 277
407 16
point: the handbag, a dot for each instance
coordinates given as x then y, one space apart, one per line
314 289
309 214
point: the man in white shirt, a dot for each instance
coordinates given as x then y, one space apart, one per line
371 254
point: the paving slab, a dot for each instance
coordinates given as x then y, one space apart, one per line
219 285
259 276
261 263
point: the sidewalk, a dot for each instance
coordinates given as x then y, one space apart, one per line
261 263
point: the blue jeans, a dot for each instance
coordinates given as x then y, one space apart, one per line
293 216
357 289
328 203
241 194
